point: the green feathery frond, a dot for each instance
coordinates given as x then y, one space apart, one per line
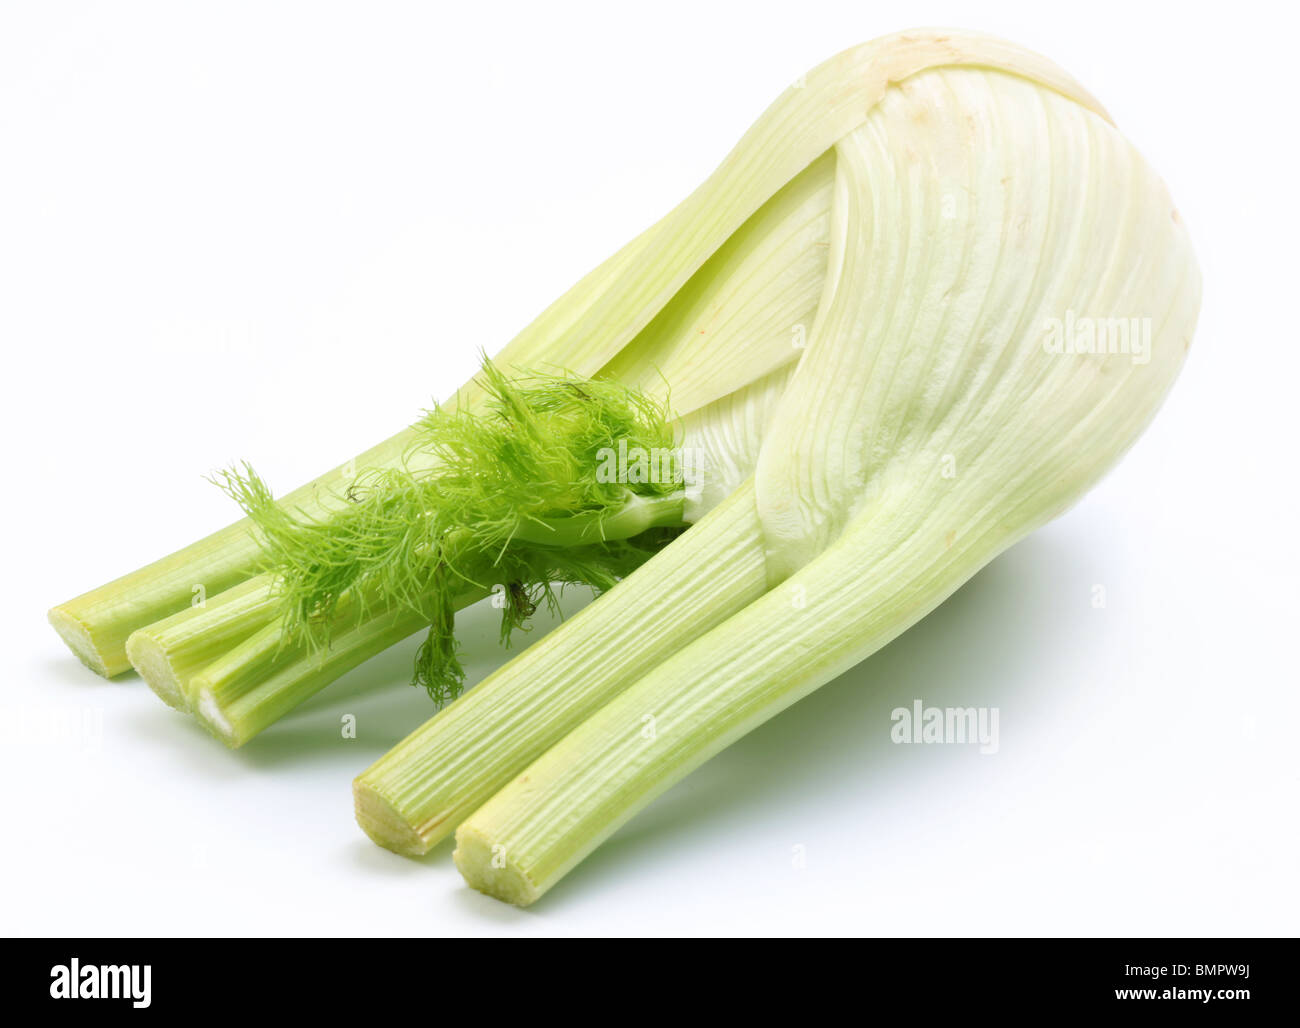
511 498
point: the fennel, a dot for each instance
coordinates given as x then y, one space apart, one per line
849 318
972 207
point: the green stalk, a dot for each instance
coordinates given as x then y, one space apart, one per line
169 653
172 654
697 702
238 647
97 624
256 683
261 679
639 514
419 791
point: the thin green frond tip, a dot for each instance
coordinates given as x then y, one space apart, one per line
514 498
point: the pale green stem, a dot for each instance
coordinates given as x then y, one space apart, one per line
698 701
417 793
259 681
239 636
97 624
638 514
240 692
169 653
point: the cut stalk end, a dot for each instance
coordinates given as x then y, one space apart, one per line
487 867
79 639
385 824
149 657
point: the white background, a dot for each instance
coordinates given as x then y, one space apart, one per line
277 231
